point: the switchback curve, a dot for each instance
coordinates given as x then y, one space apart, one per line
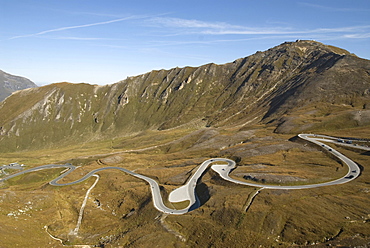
187 191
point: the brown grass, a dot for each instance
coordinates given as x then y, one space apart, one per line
119 211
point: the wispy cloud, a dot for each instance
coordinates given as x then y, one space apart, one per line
79 13
74 27
162 26
184 26
185 23
357 36
196 26
363 28
77 38
332 9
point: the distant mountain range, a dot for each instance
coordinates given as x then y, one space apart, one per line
10 83
294 87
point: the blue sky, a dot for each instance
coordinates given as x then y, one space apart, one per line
103 42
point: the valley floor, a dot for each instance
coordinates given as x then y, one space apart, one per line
119 209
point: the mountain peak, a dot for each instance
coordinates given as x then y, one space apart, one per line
312 45
262 88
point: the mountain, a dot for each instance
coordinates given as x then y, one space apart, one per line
163 124
268 88
10 83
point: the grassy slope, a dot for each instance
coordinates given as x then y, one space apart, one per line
263 87
126 215
120 212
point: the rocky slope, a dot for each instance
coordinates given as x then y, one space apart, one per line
10 83
266 87
165 123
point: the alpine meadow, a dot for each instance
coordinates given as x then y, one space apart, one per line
270 150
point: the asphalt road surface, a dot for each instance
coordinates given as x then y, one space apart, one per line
187 191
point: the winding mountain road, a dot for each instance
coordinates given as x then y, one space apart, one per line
353 169
187 191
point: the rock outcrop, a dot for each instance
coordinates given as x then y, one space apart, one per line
263 88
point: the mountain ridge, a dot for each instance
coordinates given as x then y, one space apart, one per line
262 88
165 123
11 83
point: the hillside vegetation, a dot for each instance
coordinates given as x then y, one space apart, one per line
267 87
165 123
